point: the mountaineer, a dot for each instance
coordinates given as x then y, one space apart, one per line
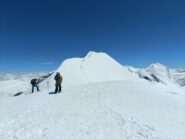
34 83
58 78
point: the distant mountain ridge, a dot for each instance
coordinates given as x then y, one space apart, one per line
160 73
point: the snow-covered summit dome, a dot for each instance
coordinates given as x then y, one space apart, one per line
94 67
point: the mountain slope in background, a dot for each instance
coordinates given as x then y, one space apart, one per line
95 67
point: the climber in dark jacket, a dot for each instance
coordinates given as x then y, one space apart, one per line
58 78
34 83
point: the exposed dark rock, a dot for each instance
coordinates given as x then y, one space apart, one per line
18 94
155 78
145 77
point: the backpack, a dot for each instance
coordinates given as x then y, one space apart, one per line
59 79
33 81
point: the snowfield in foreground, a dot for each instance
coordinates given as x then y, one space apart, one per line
110 110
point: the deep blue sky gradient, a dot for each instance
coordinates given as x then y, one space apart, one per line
38 35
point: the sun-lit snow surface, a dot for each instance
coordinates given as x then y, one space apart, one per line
101 99
110 110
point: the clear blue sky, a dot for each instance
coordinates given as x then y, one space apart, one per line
37 35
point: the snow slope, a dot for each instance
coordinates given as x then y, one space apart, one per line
110 110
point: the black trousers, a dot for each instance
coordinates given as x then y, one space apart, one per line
58 88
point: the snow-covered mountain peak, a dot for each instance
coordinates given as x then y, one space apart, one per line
91 56
98 55
157 66
91 53
94 67
159 70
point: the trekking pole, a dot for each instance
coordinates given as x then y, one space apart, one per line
48 86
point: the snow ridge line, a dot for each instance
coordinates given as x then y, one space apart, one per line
82 65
